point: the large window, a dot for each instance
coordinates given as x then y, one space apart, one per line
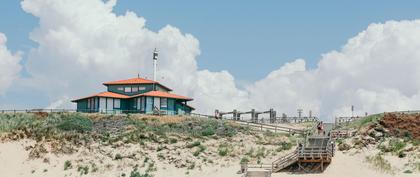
142 103
142 88
156 103
127 89
163 102
117 103
135 89
120 88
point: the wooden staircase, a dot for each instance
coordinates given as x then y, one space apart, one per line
258 174
285 161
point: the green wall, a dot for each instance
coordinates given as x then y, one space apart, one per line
127 105
148 88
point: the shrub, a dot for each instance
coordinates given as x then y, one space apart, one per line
67 165
244 160
285 146
223 151
380 163
209 131
75 123
200 149
84 170
173 140
394 146
118 157
194 144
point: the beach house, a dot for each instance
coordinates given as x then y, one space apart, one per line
135 95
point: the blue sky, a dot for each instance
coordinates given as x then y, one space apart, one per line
246 38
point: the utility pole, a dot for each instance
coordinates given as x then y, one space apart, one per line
352 111
300 112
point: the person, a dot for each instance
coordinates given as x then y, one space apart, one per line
320 128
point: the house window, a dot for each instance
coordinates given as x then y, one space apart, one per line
142 88
164 102
135 89
117 103
127 89
120 88
142 103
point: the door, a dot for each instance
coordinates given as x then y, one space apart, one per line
102 104
156 103
109 104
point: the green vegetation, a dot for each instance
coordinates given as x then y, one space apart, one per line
244 160
223 149
76 123
173 140
67 165
284 146
118 157
83 170
194 144
394 146
363 122
136 173
209 131
380 163
200 149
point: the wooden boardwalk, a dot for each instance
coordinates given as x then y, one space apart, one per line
312 156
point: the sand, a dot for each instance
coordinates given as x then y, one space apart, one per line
14 162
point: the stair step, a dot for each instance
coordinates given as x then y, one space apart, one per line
258 174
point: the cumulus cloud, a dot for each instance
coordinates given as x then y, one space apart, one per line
83 43
376 71
9 65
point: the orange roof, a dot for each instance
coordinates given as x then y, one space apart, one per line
105 94
136 80
164 95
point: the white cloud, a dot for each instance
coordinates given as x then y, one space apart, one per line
9 65
376 71
83 43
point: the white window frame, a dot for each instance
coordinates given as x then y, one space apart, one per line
127 89
142 103
134 89
117 103
164 102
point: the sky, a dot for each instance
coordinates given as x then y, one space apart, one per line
281 54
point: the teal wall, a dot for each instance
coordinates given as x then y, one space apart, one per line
82 105
129 106
148 88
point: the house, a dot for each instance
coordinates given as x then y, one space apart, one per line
135 95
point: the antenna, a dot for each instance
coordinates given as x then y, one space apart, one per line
155 57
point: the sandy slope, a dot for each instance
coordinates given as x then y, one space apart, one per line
14 162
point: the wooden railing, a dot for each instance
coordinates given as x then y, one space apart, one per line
284 161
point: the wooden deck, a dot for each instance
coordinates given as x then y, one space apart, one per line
312 156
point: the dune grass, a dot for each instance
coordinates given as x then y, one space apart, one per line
365 121
378 162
